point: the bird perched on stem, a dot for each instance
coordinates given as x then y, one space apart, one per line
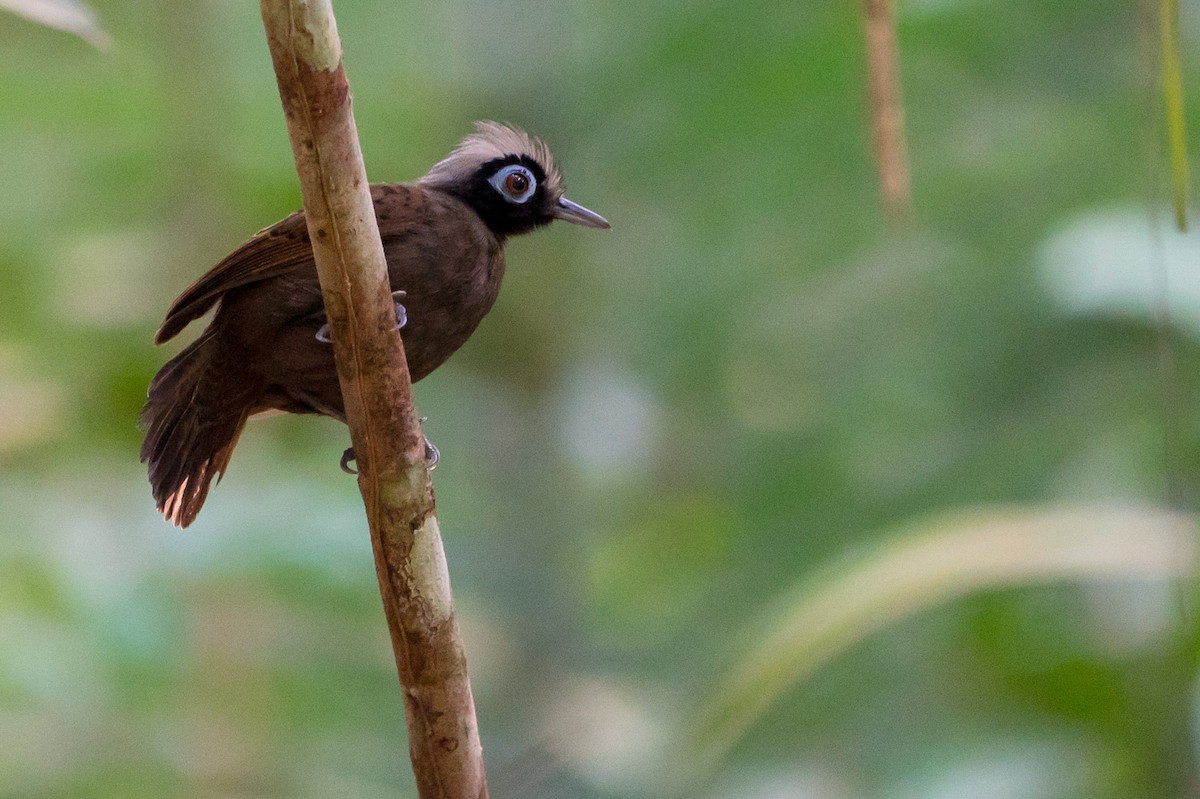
267 347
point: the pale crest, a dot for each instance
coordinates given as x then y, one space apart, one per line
492 140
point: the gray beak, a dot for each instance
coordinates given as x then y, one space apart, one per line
574 212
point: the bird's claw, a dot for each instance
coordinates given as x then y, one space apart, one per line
324 336
431 451
431 455
401 311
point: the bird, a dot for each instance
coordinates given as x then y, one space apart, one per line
267 348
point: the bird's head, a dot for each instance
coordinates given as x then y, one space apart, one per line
508 177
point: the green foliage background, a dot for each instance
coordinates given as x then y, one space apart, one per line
658 431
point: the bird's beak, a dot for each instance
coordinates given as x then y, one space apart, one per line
574 212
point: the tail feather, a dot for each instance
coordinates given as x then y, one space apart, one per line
193 417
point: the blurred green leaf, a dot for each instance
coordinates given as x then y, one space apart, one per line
72 16
923 565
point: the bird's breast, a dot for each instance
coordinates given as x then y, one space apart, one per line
450 266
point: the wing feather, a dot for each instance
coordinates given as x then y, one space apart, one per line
282 247
272 251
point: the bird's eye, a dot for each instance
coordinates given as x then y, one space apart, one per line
515 183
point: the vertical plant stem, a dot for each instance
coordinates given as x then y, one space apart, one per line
1172 82
393 476
887 110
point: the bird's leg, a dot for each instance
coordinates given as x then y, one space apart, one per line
324 337
431 454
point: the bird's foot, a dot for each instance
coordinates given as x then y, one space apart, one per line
401 311
323 334
431 451
431 455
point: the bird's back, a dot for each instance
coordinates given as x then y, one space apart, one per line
429 237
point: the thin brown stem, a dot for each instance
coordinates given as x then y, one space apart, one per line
887 110
393 476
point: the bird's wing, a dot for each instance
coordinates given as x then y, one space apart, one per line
277 249
271 251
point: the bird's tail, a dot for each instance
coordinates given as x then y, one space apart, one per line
193 417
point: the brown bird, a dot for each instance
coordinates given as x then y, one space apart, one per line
267 347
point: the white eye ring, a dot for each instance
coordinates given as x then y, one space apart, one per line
515 183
